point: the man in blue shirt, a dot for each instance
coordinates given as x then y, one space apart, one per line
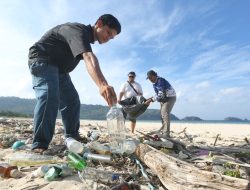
165 94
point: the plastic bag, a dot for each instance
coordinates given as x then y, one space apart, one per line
134 106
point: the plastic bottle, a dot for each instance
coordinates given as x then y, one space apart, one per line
99 157
100 148
74 145
18 145
93 135
7 171
98 175
28 159
129 146
41 171
116 129
52 173
57 171
76 161
66 170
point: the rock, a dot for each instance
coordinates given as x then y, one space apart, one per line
218 169
59 130
30 127
243 173
182 156
2 120
16 174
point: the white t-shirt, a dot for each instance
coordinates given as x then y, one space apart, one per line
129 91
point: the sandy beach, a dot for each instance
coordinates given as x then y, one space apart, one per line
200 132
205 131
227 130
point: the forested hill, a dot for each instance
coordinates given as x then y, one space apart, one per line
14 106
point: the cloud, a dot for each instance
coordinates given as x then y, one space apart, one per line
231 91
204 84
225 62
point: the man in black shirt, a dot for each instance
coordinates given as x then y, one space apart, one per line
51 59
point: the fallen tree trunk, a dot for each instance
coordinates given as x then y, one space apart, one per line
176 174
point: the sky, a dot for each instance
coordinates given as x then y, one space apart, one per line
201 47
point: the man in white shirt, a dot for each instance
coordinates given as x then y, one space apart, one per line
129 89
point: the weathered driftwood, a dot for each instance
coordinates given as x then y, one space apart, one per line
164 144
176 174
219 160
225 149
177 144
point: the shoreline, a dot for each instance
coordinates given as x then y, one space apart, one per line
241 130
155 121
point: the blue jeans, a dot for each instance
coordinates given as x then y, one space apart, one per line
53 91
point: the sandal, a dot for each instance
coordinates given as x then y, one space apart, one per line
38 150
55 150
81 139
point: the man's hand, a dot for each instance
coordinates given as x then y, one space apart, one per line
108 94
148 101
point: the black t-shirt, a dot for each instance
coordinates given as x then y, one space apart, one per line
63 46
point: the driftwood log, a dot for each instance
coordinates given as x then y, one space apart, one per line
224 150
165 144
176 174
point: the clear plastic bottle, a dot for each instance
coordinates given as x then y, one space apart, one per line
93 135
41 171
98 157
98 175
28 159
129 146
116 129
74 145
100 148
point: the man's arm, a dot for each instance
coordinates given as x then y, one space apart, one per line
120 96
95 72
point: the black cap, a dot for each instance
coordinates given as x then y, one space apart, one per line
151 73
132 73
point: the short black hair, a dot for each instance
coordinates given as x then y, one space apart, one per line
110 21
